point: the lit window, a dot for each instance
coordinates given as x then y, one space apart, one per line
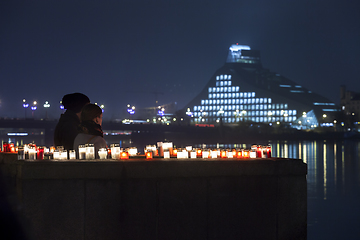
261 100
277 106
229 77
285 106
245 101
269 100
257 106
245 94
290 112
233 101
225 95
221 83
214 95
281 106
253 100
210 101
269 106
221 77
257 100
217 83
221 101
206 108
210 108
261 107
206 102
233 95
214 89
229 83
217 78
195 108
221 95
210 89
241 94
202 102
252 107
249 94
265 100
237 88
217 95
217 89
294 113
225 89
261 113
225 101
253 94
221 89
257 119
225 76
241 101
233 89
241 107
257 113
218 101
265 107
210 95
225 108
225 83
237 95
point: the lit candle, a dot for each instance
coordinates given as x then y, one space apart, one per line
166 154
193 154
214 154
56 154
82 152
115 151
90 151
102 153
40 153
133 151
148 155
124 155
205 154
63 155
32 154
72 154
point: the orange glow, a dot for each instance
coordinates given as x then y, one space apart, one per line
199 153
52 149
246 154
239 154
124 155
175 152
148 155
223 154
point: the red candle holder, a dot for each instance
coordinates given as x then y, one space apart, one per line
124 155
149 155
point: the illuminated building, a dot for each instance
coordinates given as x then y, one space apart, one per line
242 90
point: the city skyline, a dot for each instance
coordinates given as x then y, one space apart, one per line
137 52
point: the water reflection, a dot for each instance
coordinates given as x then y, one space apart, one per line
333 185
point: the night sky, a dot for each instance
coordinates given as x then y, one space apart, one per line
120 52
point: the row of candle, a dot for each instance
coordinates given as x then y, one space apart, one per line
163 150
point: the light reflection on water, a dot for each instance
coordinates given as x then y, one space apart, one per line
333 185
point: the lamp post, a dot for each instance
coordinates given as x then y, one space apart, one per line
25 106
46 106
33 108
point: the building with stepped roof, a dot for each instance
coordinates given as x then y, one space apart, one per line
242 90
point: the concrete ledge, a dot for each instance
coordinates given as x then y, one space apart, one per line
162 199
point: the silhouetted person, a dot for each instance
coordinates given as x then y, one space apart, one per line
67 127
90 130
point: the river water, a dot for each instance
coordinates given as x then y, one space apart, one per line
333 185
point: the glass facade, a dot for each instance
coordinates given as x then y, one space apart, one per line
232 105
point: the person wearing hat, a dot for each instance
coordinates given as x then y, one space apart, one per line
67 127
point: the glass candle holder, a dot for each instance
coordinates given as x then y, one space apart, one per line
72 154
63 155
82 152
102 153
90 151
56 154
40 153
166 154
32 154
21 153
115 151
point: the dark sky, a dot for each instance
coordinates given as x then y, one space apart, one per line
120 52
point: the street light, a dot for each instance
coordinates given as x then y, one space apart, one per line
33 108
46 106
25 106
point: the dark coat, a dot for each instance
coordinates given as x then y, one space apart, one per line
66 130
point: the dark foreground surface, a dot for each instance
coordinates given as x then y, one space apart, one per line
159 199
